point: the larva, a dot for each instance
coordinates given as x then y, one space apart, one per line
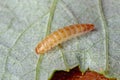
62 35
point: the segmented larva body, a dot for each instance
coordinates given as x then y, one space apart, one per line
62 35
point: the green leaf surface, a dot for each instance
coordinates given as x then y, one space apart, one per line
23 23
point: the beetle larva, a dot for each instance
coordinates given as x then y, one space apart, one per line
62 35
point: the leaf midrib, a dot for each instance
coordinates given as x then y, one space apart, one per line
52 10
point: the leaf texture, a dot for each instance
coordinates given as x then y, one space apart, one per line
23 23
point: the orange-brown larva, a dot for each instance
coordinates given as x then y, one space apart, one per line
62 35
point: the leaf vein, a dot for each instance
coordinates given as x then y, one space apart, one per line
105 27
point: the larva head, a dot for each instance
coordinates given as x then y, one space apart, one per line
40 49
90 27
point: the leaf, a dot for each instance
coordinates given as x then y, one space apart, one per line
23 23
